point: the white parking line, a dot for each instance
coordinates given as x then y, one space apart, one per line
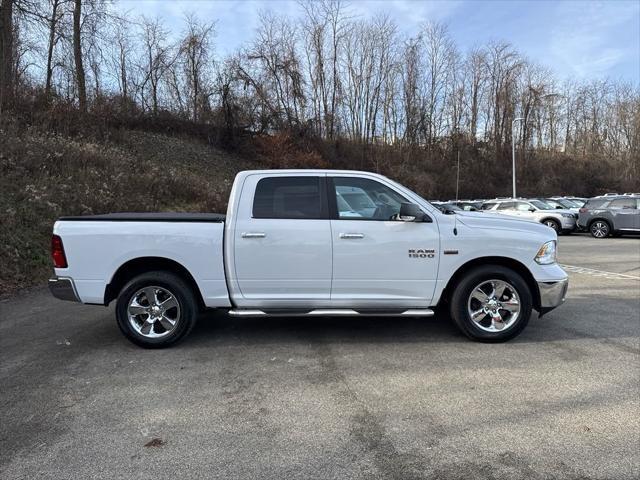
598 273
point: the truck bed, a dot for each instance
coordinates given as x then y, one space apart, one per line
97 246
149 217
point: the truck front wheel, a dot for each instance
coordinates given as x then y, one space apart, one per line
156 309
491 303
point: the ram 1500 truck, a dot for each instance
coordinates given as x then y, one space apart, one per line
309 242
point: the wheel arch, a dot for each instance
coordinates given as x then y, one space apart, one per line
507 262
137 266
552 218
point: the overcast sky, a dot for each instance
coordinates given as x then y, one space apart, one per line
578 39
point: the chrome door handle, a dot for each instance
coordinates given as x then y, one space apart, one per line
348 236
253 235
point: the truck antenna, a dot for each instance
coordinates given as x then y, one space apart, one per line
455 218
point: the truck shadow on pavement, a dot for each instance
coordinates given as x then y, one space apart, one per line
582 317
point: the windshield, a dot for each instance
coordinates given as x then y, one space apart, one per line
567 203
447 207
541 205
553 203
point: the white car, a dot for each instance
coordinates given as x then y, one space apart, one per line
309 242
560 220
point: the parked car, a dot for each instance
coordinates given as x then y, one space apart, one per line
468 205
604 216
562 204
294 242
561 221
580 201
446 207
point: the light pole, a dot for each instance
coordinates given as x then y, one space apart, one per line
513 153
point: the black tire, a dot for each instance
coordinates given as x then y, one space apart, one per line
599 228
186 315
550 222
461 294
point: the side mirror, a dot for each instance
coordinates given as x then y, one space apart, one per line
560 207
531 209
410 212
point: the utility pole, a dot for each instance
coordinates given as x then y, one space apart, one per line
458 176
513 153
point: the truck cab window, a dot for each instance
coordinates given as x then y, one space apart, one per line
288 197
364 199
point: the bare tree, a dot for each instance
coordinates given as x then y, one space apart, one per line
6 51
154 62
194 52
77 55
53 19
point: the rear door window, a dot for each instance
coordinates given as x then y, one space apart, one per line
595 203
621 203
289 197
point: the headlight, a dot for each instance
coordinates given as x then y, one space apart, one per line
567 215
547 253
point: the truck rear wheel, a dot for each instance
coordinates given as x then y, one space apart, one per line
491 304
156 309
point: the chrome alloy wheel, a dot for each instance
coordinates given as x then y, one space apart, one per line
600 229
494 305
153 312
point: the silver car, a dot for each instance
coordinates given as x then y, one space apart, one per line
613 215
562 221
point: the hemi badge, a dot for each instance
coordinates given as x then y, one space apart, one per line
451 252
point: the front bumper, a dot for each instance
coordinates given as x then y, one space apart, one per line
63 288
568 223
552 294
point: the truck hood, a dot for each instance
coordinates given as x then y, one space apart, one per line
499 221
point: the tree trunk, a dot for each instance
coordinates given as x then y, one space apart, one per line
6 52
77 54
52 41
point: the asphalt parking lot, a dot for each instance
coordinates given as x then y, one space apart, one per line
331 398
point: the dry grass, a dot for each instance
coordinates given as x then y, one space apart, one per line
44 176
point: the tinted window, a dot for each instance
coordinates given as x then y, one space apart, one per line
623 203
488 206
364 199
288 197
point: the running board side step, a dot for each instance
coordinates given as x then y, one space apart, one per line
332 312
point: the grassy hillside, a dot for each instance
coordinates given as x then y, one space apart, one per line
54 162
45 175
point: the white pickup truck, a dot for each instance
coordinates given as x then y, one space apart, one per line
309 242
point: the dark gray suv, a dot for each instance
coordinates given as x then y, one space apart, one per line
613 215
